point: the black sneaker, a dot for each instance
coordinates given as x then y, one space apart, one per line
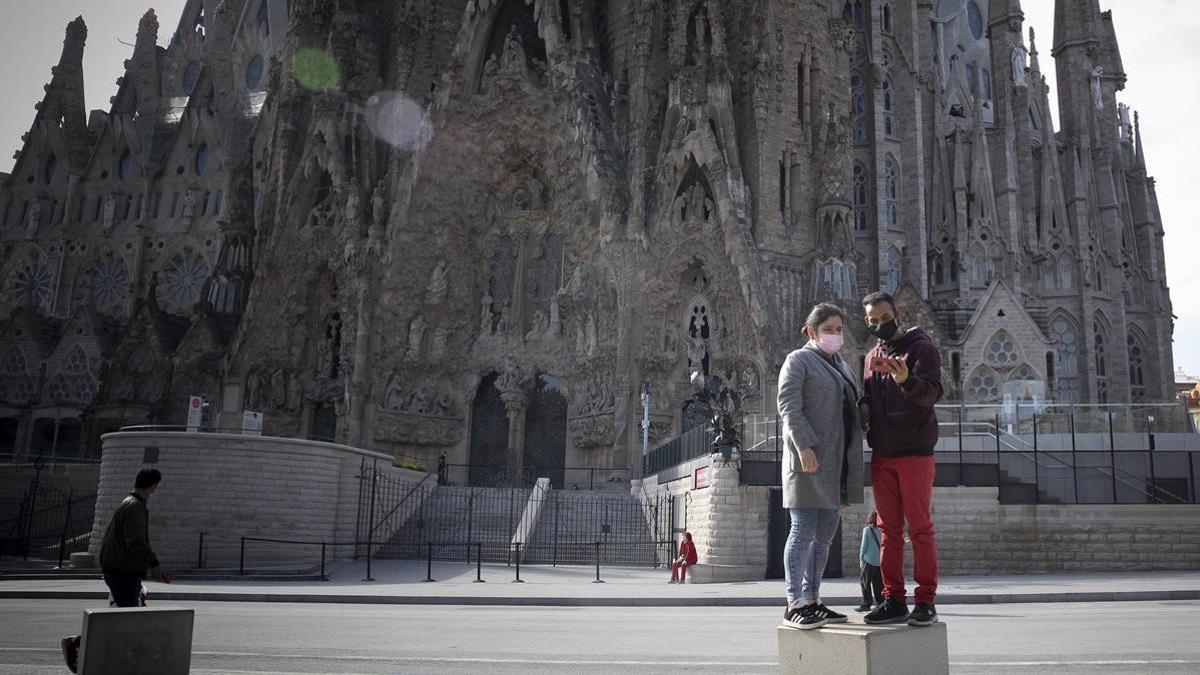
809 617
891 611
924 614
70 651
792 615
833 617
862 609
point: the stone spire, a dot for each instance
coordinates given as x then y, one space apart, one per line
1139 158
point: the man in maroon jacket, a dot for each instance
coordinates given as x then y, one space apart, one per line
901 383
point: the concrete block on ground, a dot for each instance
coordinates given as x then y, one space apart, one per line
710 574
859 649
82 561
136 641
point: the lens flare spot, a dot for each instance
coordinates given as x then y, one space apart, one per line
315 70
398 120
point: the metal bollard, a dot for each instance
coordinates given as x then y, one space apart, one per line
479 563
200 553
429 561
242 558
323 577
518 579
597 581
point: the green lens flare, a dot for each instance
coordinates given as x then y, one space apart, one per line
315 70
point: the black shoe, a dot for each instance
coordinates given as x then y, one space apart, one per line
833 617
70 651
891 611
924 614
862 609
793 614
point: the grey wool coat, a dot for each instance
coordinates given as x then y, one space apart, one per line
810 406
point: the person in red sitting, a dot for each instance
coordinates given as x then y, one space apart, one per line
687 558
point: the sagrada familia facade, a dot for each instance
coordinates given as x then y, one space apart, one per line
493 228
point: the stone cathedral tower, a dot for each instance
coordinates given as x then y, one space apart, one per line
485 227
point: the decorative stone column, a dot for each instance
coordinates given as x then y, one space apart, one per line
513 384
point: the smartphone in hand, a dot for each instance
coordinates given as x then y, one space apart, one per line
878 364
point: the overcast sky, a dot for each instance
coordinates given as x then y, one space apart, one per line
1157 38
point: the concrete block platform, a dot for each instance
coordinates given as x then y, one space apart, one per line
136 641
858 649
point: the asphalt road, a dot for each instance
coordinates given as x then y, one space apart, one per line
325 638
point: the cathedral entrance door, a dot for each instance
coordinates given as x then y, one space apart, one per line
546 431
489 435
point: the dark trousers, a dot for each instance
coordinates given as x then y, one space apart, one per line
126 588
871 581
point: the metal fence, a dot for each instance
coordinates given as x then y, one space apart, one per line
403 520
1034 453
46 523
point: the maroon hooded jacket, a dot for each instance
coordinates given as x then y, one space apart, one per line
902 417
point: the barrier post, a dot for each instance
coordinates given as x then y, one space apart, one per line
479 562
429 561
200 553
242 558
518 579
597 581
323 578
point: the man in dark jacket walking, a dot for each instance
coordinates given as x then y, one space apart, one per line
125 554
901 383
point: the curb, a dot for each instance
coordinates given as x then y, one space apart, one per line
948 599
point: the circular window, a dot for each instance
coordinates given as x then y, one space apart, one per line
254 72
190 75
975 20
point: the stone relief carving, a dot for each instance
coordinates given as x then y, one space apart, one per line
400 397
34 221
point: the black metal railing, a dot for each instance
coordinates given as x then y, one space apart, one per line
46 523
561 477
696 442
1034 453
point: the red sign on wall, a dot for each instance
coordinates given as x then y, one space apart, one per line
701 478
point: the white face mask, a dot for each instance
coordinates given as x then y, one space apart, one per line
830 343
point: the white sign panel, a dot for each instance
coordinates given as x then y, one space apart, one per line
195 412
252 423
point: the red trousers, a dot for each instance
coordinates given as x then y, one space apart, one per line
903 489
679 571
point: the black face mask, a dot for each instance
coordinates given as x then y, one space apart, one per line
884 331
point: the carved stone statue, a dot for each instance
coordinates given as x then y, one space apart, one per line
592 338
437 348
504 325
416 332
35 219
1097 94
438 283
1019 54
485 314
511 378
555 327
377 204
189 205
109 213
538 327
353 210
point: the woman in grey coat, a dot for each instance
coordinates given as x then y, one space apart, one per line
822 463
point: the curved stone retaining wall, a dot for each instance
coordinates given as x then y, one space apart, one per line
230 486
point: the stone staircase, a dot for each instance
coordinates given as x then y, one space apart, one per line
451 518
573 521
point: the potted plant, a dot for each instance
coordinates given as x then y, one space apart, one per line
722 404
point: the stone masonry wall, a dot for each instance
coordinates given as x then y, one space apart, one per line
978 535
230 486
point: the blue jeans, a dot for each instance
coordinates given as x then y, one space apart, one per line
807 550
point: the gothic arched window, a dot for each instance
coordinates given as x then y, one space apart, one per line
985 79
889 122
1067 360
975 20
1100 340
1002 351
983 386
858 106
891 192
1065 273
860 197
887 18
1137 363
51 168
202 159
858 15
893 274
125 165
